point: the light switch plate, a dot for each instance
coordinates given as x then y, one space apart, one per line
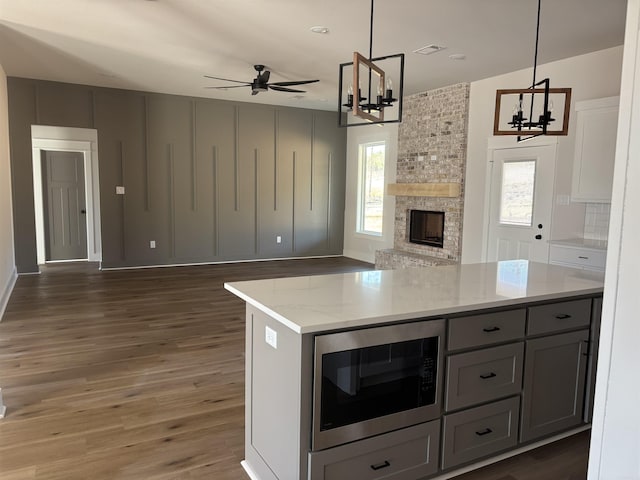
271 337
119 190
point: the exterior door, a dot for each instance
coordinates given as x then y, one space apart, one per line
521 202
64 204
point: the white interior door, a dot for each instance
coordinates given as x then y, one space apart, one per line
521 203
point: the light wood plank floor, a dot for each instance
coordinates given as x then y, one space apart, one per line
139 374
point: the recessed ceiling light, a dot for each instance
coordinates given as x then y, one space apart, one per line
458 56
429 49
320 29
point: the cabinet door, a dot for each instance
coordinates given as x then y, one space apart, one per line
554 382
595 149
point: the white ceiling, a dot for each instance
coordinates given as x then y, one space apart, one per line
168 45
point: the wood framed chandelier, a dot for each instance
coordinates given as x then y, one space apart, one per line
365 88
529 112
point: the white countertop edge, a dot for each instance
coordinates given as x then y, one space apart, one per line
251 301
415 315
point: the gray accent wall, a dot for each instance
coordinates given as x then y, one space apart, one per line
7 263
208 180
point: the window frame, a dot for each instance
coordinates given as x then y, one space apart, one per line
362 190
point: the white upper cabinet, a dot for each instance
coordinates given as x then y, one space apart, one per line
596 128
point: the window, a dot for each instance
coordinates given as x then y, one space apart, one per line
370 188
516 202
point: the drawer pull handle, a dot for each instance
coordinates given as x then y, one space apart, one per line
380 466
486 431
563 316
492 329
487 375
583 257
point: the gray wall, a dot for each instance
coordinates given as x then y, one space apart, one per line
208 180
7 265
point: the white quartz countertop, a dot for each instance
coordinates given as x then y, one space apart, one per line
327 302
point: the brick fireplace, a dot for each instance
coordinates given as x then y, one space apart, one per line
432 147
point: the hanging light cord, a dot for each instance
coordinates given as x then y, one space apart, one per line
371 33
535 56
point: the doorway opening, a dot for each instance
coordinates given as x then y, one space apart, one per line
66 194
521 203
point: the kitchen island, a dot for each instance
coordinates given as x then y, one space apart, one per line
515 361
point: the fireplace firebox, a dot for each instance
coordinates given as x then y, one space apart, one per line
426 227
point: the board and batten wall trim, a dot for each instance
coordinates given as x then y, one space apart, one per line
208 180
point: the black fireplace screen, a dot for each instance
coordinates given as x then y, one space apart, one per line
426 227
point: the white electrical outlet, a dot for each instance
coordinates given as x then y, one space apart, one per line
420 158
563 199
119 190
152 244
434 158
278 239
271 337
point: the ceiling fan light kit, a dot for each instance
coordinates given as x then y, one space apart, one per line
537 101
370 104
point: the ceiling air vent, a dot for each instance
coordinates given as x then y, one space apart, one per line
429 49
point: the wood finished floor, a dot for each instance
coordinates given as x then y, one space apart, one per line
139 374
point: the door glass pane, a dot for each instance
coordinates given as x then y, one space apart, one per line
516 200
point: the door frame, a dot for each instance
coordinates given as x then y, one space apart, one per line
501 143
82 140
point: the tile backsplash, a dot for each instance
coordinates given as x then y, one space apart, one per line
596 221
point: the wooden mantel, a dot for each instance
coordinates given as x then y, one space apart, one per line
450 190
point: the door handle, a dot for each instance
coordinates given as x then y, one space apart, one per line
538 237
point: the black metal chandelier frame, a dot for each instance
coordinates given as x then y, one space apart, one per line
519 123
372 112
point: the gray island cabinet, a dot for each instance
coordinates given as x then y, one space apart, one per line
415 373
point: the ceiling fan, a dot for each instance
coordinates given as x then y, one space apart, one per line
261 83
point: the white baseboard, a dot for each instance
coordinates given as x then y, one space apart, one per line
247 469
168 265
361 256
3 409
6 293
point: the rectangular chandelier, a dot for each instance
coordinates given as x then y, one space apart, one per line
531 112
366 90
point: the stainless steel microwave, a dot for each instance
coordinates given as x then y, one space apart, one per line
375 380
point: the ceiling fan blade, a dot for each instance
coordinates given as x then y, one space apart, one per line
227 80
283 89
231 86
298 82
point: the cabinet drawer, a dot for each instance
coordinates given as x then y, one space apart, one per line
401 455
483 375
480 431
486 329
580 257
559 316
